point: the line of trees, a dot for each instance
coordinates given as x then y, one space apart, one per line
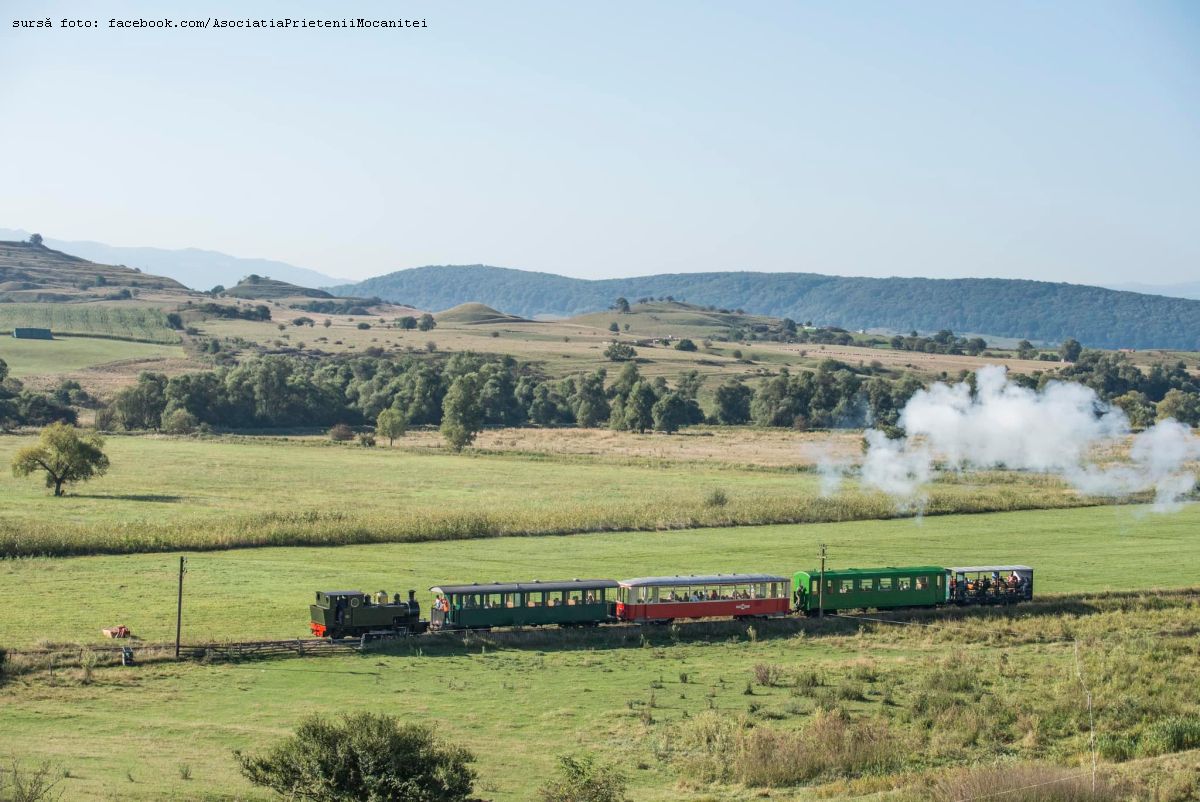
22 407
466 392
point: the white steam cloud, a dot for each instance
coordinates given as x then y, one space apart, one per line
1055 430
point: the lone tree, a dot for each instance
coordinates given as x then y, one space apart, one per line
63 455
620 352
391 423
362 756
35 239
1070 350
622 306
462 414
426 323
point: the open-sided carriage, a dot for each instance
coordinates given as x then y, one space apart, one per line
989 584
570 602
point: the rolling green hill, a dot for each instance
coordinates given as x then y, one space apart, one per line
260 288
475 313
1036 310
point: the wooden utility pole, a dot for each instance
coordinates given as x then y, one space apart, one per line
179 605
821 587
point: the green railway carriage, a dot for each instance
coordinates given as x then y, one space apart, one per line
870 588
344 613
572 602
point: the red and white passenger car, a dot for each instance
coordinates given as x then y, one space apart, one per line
664 598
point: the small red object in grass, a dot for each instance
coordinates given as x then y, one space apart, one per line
117 632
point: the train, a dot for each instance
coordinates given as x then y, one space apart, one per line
664 599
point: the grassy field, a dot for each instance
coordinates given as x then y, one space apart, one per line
67 355
163 493
264 593
960 693
107 319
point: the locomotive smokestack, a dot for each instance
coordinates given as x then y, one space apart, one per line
412 596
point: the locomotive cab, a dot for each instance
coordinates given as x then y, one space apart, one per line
343 613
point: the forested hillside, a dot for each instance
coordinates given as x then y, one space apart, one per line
1034 310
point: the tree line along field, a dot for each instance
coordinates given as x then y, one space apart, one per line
195 493
920 703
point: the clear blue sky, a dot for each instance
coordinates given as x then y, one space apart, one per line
1016 139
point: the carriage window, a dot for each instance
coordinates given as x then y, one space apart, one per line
867 584
847 585
922 583
885 583
814 586
939 580
904 583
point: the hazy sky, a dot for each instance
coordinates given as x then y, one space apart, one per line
1040 140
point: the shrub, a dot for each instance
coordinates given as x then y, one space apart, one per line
767 675
341 433
716 498
581 778
363 326
20 784
366 440
179 421
619 352
362 756
685 345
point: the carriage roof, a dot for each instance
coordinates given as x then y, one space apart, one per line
700 579
532 586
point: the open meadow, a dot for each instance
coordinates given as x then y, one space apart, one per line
194 493
66 357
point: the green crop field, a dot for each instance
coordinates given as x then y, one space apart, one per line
120 320
962 692
37 358
166 492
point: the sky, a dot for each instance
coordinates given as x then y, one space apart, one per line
1014 139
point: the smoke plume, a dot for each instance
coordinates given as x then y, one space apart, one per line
1055 430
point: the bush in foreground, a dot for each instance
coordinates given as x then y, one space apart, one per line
581 778
363 756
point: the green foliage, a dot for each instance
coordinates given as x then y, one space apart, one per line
670 413
63 455
619 352
1070 349
363 756
426 323
1183 407
462 413
733 402
583 778
638 410
179 421
685 345
391 424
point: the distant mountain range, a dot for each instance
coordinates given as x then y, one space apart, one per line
1187 289
200 270
1036 310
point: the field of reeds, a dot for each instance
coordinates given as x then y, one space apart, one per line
166 493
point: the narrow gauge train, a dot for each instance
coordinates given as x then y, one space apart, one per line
661 599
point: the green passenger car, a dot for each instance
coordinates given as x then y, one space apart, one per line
573 602
870 588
